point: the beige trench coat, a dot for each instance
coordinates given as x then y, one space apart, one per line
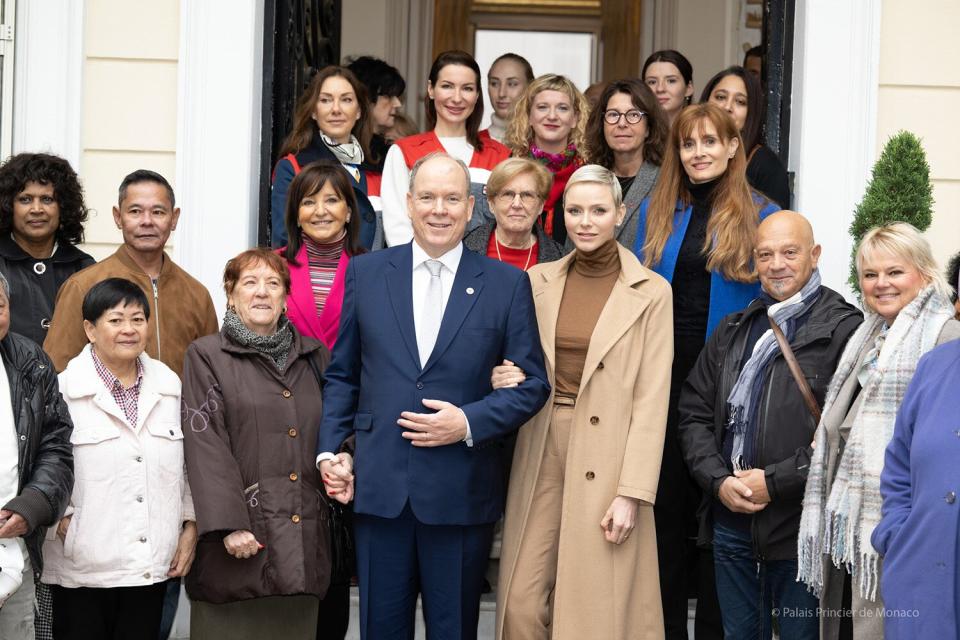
616 443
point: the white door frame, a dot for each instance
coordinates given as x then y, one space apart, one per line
48 78
833 128
218 135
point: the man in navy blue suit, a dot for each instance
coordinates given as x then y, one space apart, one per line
422 326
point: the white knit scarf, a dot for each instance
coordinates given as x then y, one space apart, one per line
840 524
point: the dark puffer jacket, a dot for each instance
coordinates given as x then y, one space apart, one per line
250 435
43 434
785 426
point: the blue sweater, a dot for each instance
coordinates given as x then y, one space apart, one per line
726 296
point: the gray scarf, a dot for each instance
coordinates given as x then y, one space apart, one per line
746 390
276 346
346 152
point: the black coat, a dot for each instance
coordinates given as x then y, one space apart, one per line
43 434
32 294
785 426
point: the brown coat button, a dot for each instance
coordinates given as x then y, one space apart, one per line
295 519
594 420
286 393
590 475
293 477
599 365
292 432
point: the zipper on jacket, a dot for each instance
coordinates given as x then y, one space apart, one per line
156 305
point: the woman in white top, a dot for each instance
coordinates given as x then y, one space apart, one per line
130 523
454 105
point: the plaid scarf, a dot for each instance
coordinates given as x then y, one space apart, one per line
840 524
743 396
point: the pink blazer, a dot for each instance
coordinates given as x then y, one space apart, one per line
301 306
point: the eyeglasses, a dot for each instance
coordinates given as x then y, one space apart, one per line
527 198
633 116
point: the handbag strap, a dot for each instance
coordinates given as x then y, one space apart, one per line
796 371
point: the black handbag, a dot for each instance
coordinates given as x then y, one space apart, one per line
342 552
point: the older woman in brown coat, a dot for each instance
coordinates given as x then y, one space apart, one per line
579 522
251 409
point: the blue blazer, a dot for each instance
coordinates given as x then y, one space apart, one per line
375 374
726 296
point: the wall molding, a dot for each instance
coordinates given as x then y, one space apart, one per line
48 78
833 137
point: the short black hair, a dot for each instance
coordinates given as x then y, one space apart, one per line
109 293
380 78
953 272
145 175
45 169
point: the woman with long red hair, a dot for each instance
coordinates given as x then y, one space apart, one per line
696 230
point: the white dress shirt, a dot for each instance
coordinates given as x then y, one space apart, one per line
421 280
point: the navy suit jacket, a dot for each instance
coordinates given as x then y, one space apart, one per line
375 374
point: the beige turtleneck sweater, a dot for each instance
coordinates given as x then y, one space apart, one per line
589 283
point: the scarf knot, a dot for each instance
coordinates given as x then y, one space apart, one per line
275 346
742 401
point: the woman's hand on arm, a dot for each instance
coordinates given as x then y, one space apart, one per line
242 544
620 519
506 375
186 551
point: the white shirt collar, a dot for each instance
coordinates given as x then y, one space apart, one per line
451 259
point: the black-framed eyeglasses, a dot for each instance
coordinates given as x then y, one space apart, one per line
612 116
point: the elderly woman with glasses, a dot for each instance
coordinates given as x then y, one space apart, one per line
516 191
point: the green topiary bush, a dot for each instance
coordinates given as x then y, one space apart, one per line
899 191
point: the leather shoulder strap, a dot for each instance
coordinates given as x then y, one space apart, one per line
796 371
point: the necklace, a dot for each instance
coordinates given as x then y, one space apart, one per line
496 243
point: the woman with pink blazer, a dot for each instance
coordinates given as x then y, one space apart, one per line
323 234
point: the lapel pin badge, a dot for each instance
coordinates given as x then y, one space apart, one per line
469 291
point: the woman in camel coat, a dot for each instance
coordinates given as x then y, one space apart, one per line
579 520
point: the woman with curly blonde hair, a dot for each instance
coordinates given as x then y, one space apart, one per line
548 125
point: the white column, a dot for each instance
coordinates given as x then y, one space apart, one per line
218 135
48 77
833 125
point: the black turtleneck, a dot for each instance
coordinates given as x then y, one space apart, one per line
691 280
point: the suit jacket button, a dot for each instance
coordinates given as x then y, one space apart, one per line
951 497
292 432
286 393
419 385
293 477
295 519
594 420
590 475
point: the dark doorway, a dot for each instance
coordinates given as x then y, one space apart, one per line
300 37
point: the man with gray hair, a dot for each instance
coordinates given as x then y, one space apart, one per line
423 325
36 463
